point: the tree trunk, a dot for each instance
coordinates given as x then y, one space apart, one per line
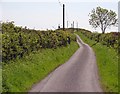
103 31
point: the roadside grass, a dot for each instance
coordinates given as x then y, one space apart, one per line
0 79
21 74
107 61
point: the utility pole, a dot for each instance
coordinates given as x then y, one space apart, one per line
77 26
67 24
63 17
59 26
73 24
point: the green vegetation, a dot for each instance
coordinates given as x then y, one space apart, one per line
107 60
108 39
29 55
0 80
0 60
103 18
18 42
21 74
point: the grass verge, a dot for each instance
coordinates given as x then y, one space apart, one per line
21 74
0 79
107 61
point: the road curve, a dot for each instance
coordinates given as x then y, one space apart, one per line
78 74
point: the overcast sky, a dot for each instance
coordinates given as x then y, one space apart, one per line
48 14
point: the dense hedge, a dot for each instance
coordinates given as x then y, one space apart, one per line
108 39
18 41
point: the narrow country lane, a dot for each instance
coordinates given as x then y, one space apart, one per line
78 74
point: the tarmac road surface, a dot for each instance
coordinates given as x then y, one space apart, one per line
78 74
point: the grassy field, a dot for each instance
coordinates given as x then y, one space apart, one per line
21 74
107 61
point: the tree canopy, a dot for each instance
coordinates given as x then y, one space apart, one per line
102 18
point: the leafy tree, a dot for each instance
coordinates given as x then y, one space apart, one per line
102 18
